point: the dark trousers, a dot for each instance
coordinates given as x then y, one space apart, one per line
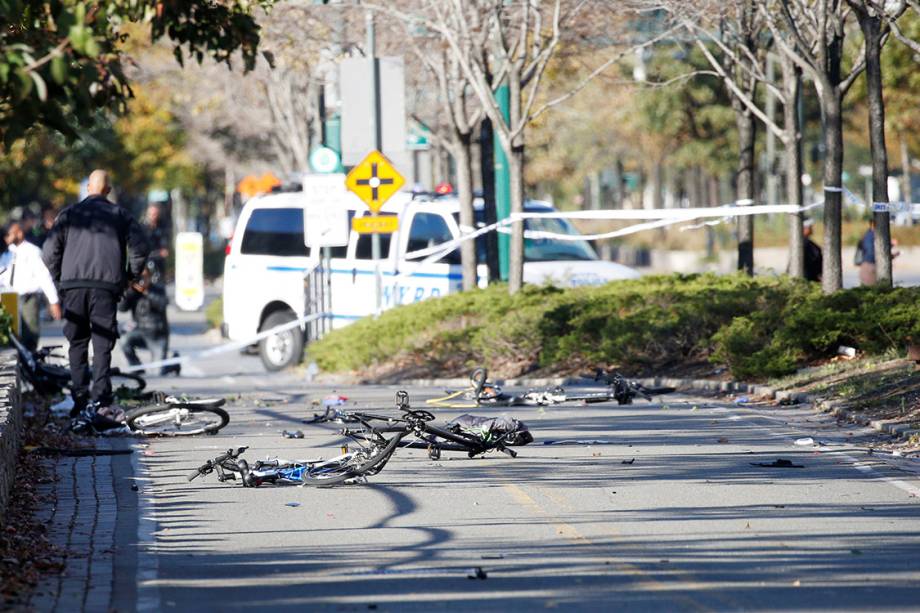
157 344
29 307
89 315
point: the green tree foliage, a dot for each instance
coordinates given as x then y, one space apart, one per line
61 61
144 149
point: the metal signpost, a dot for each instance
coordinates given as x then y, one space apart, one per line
374 181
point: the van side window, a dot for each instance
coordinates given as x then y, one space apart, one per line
274 232
364 248
429 230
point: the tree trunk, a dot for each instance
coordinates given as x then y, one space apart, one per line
467 219
516 172
616 187
832 273
487 166
871 28
744 185
792 92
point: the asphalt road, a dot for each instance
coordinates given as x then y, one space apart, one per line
687 523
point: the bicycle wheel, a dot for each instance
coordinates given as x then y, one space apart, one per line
172 420
127 384
334 475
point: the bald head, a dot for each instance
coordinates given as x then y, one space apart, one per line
99 183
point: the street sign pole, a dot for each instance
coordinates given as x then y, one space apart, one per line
503 184
378 145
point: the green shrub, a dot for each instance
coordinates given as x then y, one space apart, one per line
6 322
758 327
214 312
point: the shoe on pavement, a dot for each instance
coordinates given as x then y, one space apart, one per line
103 418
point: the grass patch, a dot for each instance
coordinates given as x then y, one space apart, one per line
757 327
214 312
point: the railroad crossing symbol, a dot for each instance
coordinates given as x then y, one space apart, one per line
374 180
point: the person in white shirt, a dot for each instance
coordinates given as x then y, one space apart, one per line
28 276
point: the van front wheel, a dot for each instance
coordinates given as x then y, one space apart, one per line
283 349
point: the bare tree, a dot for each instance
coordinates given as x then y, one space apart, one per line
456 103
731 37
811 34
874 21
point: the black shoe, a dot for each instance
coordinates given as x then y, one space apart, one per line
78 407
172 369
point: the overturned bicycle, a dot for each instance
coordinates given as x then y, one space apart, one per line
377 438
483 392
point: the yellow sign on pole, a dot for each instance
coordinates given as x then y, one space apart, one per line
375 224
374 180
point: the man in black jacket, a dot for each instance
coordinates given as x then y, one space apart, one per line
86 254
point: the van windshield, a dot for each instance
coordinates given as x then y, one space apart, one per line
543 249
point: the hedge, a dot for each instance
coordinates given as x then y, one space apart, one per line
758 327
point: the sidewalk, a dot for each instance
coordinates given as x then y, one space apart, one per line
92 508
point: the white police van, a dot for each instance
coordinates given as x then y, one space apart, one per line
267 259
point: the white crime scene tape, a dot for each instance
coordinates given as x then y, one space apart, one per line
232 346
653 218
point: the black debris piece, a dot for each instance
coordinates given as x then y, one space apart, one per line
780 463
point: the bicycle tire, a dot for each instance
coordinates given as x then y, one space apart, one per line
350 472
130 381
196 403
136 421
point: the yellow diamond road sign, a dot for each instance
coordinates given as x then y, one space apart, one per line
374 180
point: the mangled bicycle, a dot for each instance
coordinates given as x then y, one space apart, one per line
483 392
376 438
166 415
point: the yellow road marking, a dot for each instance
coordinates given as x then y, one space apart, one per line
568 531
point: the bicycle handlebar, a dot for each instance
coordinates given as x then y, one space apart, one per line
210 465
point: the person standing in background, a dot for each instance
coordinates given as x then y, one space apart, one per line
814 260
865 256
158 240
28 276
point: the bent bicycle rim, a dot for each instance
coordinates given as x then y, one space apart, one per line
177 421
341 474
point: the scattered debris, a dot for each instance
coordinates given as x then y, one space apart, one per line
805 442
742 400
628 461
334 400
781 463
477 573
62 408
292 504
295 434
846 352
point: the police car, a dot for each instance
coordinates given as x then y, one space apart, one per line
267 259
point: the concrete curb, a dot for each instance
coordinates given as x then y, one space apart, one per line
10 423
837 408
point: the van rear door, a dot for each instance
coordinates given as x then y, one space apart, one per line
266 265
